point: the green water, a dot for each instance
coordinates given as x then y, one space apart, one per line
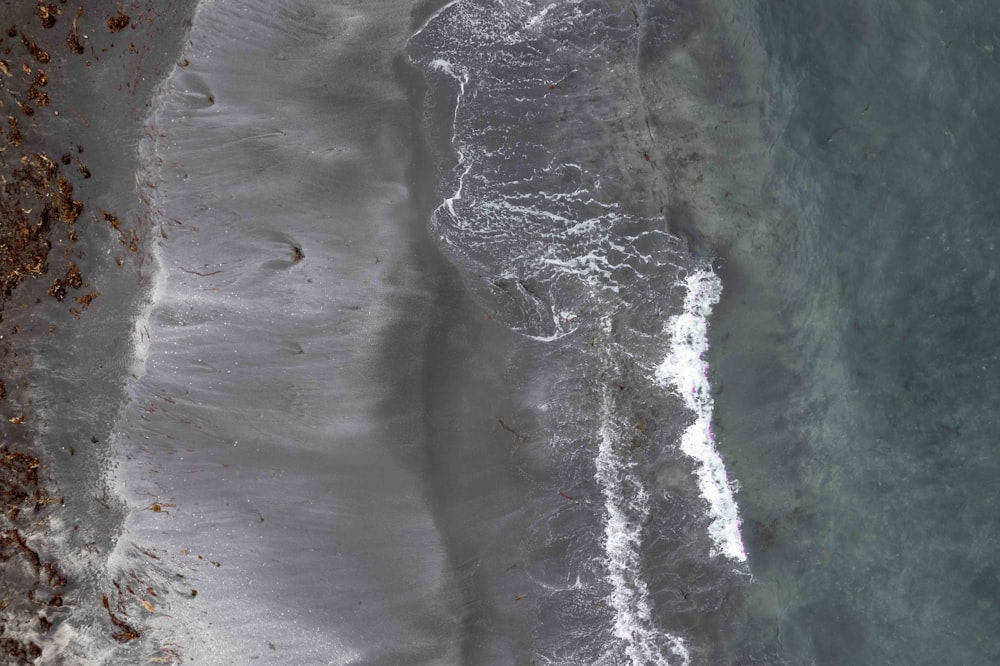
869 438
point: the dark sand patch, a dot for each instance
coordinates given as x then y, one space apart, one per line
46 236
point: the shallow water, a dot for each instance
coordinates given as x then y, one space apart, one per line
880 157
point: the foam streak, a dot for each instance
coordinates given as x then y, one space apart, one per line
685 370
626 502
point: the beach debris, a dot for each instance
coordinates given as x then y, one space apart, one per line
130 239
57 290
159 507
37 52
73 279
118 22
199 273
110 218
123 632
69 208
45 623
86 299
518 437
23 652
73 38
39 97
516 434
47 15
24 502
172 656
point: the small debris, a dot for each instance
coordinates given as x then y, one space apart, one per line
118 22
47 15
36 51
86 299
57 290
125 632
73 38
73 277
110 218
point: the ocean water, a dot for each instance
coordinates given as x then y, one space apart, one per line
882 161
503 331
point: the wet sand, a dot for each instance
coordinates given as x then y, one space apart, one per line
316 439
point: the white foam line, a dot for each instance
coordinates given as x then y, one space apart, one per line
432 17
462 77
685 370
149 171
626 503
141 337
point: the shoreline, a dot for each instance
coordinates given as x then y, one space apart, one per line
81 201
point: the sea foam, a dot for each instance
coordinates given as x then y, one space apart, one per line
685 371
560 259
626 503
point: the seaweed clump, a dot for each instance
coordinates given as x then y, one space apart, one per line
24 505
47 15
30 201
73 38
118 22
25 217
